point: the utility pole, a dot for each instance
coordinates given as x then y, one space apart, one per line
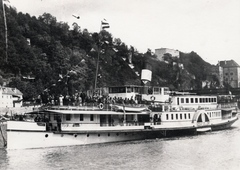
6 37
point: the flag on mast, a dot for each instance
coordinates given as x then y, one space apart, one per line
105 24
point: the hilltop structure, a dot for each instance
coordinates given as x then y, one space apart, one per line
161 51
10 97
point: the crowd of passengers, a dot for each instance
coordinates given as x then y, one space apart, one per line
83 99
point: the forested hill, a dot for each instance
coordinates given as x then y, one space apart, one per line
44 54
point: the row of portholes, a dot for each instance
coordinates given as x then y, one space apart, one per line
75 135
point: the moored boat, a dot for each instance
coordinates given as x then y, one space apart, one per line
80 125
65 126
197 112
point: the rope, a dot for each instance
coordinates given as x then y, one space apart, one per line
4 140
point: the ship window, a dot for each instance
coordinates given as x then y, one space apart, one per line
129 89
156 90
187 100
189 116
91 117
81 117
68 117
204 100
172 116
192 100
201 100
136 89
176 116
166 116
181 116
182 100
166 90
196 100
185 116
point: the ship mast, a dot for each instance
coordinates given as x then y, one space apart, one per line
104 25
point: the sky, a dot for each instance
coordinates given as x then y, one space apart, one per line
211 28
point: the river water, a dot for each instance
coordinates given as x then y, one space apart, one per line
215 150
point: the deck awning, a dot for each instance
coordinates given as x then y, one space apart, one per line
94 112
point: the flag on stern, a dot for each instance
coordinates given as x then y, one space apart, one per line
105 24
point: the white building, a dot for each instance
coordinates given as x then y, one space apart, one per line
161 51
10 97
231 73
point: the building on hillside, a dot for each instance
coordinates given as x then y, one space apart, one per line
230 73
10 97
218 72
161 51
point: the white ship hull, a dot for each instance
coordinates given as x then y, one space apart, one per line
24 140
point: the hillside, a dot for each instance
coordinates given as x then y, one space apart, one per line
46 55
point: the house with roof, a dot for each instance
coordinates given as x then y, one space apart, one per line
10 97
230 73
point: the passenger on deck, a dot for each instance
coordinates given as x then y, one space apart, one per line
47 123
21 118
59 121
37 118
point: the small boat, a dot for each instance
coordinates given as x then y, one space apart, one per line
130 108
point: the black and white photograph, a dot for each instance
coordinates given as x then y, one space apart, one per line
120 84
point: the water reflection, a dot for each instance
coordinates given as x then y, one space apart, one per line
215 150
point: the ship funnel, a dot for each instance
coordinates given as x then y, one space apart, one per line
146 75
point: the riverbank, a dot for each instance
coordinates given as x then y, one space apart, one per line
15 110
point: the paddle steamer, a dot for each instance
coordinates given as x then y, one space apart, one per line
179 114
